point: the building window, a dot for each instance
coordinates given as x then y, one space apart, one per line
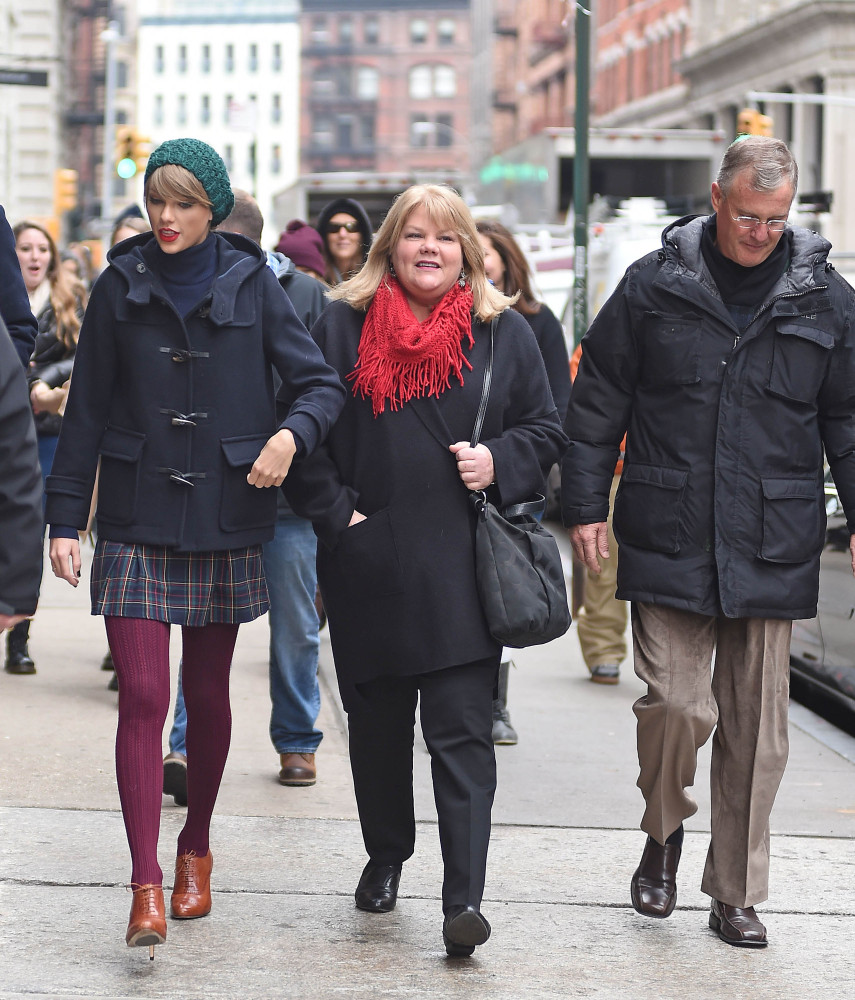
421 82
345 31
367 130
444 81
419 131
181 111
230 58
322 131
251 160
206 58
276 109
445 29
371 30
121 74
367 83
205 110
276 160
227 108
158 58
323 83
444 132
318 31
158 109
253 58
277 57
182 58
229 156
418 31
345 132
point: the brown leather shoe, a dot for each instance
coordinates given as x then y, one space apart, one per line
297 769
654 884
737 925
147 924
191 894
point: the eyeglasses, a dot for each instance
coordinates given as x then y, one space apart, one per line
335 227
752 222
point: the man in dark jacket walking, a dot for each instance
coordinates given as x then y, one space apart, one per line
728 357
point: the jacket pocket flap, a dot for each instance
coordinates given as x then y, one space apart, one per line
654 475
821 337
243 450
790 489
122 444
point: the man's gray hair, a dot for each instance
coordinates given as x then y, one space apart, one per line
769 161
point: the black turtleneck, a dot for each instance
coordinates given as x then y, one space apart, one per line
744 289
188 275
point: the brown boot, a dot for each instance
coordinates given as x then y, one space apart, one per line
147 924
191 894
297 769
654 884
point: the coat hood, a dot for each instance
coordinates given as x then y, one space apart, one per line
352 207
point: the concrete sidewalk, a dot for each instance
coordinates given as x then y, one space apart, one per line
284 925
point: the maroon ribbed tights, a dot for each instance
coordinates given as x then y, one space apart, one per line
140 651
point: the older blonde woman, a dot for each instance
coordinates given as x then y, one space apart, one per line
388 493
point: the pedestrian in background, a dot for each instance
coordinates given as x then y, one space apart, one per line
289 568
303 245
389 498
506 267
728 359
21 518
346 231
127 227
174 391
57 300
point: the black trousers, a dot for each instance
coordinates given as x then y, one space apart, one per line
456 718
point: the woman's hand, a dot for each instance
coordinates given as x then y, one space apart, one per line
474 465
272 465
65 559
47 400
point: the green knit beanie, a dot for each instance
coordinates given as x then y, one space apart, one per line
206 165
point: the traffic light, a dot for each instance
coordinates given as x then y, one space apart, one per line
749 121
132 150
64 190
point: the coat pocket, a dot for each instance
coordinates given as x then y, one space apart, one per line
648 507
366 558
800 359
671 350
793 520
118 481
243 506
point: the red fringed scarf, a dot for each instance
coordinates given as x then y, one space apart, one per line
401 358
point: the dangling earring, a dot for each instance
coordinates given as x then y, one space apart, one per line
392 270
461 281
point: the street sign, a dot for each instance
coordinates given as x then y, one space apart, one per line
24 77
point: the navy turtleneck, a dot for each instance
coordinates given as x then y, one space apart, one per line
188 275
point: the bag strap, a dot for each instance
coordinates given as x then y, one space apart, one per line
485 391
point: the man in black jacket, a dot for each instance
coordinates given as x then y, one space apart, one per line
14 302
728 358
21 518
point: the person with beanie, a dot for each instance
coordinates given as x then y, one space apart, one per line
173 395
347 232
304 246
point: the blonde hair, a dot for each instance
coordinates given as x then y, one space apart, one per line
132 222
446 209
176 183
67 294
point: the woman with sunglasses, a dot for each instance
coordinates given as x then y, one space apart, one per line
346 231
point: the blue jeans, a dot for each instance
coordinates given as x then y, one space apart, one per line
289 565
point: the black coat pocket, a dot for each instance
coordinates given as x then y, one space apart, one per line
243 506
800 359
671 350
648 507
366 558
118 481
793 520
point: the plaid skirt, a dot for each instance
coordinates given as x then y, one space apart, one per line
181 588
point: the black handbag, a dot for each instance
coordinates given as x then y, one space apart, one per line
518 568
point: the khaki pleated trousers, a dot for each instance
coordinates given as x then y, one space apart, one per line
744 700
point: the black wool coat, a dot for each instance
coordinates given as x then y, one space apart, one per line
178 408
399 587
721 505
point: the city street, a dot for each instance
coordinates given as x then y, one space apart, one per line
286 860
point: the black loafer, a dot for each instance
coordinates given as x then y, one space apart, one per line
463 929
377 891
737 925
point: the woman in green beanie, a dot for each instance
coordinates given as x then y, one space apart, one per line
173 395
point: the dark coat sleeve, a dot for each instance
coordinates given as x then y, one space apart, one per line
21 523
549 334
599 410
311 391
307 296
14 302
